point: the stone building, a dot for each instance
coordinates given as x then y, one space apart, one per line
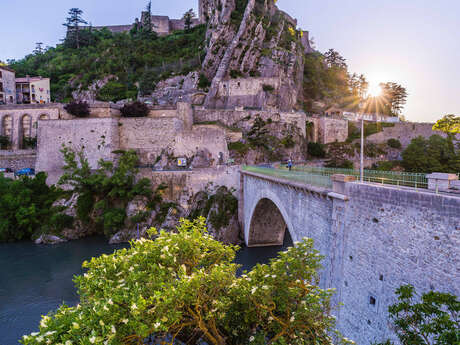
7 86
162 25
33 90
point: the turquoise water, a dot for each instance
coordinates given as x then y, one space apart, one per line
35 279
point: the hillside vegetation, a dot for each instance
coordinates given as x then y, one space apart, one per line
135 59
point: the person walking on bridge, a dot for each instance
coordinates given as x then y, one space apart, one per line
289 165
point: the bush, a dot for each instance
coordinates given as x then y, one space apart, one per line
394 143
234 74
268 88
431 319
29 143
135 109
26 207
4 142
436 154
79 109
203 82
339 163
316 150
239 147
113 91
185 284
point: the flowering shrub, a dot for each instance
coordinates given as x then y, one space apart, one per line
183 286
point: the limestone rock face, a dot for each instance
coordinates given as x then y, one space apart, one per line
175 89
254 57
202 159
49 239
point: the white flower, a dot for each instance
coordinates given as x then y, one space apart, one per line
101 323
105 308
110 301
92 340
134 306
125 321
50 333
68 342
251 338
34 334
113 329
292 318
254 289
75 325
131 269
156 325
39 339
43 321
265 287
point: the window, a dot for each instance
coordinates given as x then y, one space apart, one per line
1 87
1 76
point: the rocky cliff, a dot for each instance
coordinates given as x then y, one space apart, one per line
255 41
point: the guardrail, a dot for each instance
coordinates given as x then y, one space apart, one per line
296 176
405 179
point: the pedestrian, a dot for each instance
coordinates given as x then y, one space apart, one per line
290 164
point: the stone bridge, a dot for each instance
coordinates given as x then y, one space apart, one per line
374 239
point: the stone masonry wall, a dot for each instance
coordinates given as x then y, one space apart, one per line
99 137
374 239
405 132
19 159
328 130
394 237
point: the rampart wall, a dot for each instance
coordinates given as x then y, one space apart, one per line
405 132
328 130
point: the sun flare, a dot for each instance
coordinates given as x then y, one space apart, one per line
375 90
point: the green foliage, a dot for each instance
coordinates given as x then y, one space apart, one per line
436 154
128 57
448 124
288 141
339 163
338 154
394 143
29 142
238 13
147 83
113 91
26 208
184 284
79 109
268 88
239 147
105 192
387 166
234 73
135 109
4 142
219 207
203 82
431 319
316 150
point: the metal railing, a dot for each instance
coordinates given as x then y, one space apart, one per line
405 179
294 175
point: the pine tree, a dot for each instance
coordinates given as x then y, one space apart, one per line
72 24
188 17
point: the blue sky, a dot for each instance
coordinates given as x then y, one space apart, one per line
413 42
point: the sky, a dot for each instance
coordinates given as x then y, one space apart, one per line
415 43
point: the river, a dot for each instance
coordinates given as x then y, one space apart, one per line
35 279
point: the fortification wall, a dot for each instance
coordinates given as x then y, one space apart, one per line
245 118
393 237
405 132
183 185
98 137
18 159
328 130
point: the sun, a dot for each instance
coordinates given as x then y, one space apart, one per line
375 90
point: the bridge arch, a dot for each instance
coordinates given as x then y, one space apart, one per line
267 222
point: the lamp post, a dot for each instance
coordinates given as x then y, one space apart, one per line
361 168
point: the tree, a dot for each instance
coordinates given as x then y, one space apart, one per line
334 59
72 24
436 154
188 17
38 48
394 97
183 286
449 124
103 193
432 319
147 18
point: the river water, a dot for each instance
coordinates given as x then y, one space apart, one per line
35 279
